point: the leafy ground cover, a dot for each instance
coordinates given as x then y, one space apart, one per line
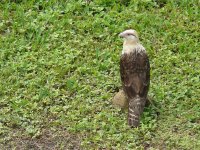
59 69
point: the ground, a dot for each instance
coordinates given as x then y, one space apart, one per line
59 70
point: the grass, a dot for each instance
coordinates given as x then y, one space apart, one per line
59 70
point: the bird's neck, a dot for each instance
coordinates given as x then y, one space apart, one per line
130 46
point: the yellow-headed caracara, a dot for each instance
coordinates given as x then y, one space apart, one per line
135 75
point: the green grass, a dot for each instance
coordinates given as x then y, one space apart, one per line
59 70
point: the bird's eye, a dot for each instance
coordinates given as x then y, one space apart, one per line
130 34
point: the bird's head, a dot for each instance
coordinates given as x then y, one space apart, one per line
129 36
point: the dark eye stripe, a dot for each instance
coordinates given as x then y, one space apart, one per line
131 34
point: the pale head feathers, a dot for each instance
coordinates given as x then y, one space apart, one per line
129 35
131 42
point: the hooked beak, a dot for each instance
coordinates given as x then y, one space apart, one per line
121 35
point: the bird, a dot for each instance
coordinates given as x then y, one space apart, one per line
135 75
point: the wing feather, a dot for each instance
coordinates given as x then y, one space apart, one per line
135 73
135 76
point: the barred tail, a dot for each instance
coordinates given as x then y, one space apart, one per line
135 110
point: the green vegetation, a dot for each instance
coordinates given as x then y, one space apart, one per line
59 69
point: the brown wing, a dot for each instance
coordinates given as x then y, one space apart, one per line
135 74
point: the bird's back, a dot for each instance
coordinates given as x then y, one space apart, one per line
135 73
135 76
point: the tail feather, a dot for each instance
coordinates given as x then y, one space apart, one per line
135 110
